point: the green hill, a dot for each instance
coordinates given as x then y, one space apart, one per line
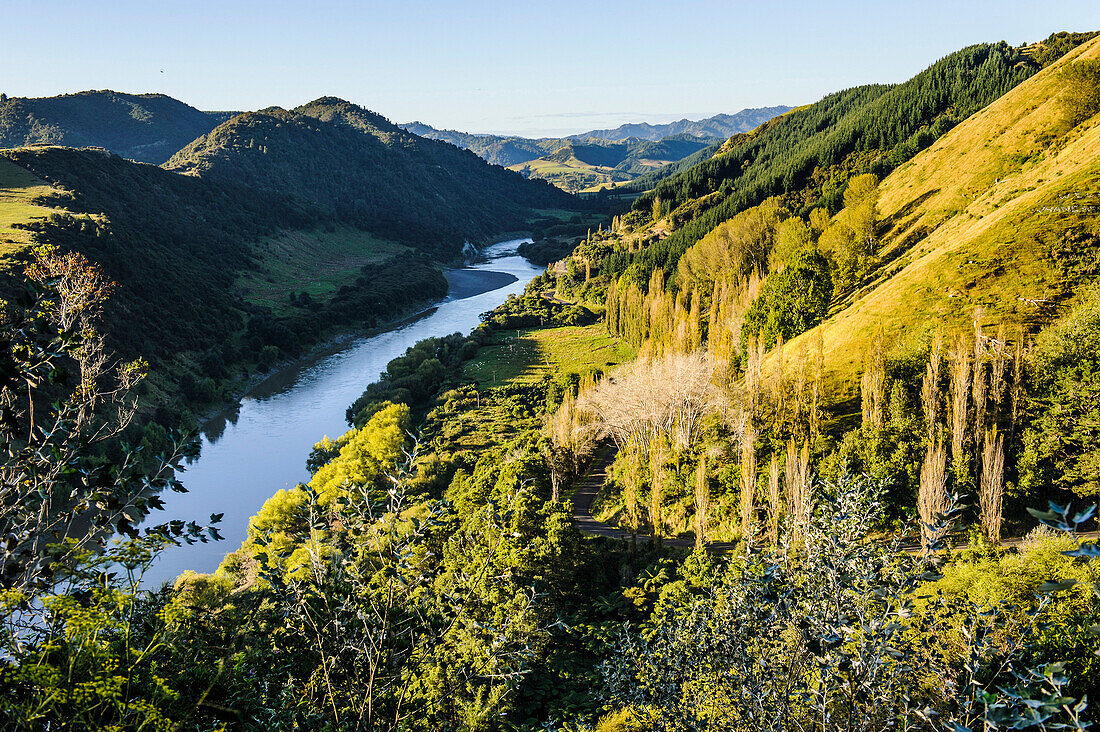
999 214
269 233
148 128
333 161
808 154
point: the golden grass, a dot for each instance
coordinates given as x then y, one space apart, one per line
527 356
970 222
18 189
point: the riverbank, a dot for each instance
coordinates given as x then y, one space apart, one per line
461 284
260 445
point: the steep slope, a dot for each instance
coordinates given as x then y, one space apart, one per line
1002 214
148 128
808 154
332 161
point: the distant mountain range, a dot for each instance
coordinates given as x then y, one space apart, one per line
601 157
148 128
718 127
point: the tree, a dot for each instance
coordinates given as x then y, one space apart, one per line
1081 97
792 236
791 301
833 639
71 495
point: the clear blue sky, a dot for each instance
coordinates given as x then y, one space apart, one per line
545 67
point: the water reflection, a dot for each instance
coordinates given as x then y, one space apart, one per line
260 445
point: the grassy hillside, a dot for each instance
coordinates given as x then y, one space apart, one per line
999 214
149 128
592 163
19 191
809 153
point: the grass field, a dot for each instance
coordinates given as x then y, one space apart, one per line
318 262
583 174
528 355
18 188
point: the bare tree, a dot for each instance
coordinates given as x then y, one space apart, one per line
873 387
773 500
960 408
702 503
991 491
657 490
930 390
748 480
798 489
647 399
932 497
572 438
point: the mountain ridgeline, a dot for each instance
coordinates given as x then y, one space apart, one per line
148 128
603 156
269 232
333 161
809 153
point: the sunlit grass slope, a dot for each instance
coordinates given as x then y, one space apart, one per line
317 262
18 190
526 356
984 218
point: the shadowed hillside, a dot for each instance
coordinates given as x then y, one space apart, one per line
333 161
148 128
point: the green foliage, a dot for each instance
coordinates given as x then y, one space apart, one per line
827 636
74 652
148 128
1062 448
864 121
1059 44
1081 98
792 301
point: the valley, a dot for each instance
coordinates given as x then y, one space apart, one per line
779 420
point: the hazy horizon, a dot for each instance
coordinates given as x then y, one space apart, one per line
505 68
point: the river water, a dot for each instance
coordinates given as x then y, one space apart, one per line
262 444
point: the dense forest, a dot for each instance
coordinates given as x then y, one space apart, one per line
804 440
148 128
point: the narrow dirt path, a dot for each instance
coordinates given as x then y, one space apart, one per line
589 486
552 296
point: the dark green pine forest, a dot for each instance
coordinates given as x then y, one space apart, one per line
797 432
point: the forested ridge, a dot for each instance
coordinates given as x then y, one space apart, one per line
855 379
813 149
146 127
178 240
332 160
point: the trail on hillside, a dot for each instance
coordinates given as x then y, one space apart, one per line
588 486
585 494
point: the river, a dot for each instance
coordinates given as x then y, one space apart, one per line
261 445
